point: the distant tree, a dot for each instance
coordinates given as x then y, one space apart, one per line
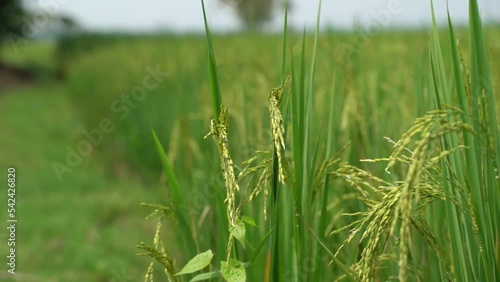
11 16
254 13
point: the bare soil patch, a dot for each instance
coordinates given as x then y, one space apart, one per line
11 76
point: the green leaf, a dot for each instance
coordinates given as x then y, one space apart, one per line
214 78
199 262
234 271
206 276
248 220
238 231
261 245
169 172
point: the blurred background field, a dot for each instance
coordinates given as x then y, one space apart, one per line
84 226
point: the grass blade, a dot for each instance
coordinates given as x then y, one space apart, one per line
212 64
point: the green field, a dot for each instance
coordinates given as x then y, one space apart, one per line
84 228
349 96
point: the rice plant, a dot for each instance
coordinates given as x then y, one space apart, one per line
304 207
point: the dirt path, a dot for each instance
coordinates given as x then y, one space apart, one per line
11 76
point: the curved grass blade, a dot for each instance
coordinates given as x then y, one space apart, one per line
212 64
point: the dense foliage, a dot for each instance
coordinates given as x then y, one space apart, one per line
11 19
376 161
253 13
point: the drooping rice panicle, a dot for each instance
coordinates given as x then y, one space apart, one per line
278 126
219 132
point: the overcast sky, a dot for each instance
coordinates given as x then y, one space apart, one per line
185 15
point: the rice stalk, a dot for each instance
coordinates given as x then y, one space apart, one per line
158 252
400 202
278 126
219 132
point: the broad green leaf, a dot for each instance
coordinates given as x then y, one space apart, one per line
199 262
234 271
238 231
248 220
